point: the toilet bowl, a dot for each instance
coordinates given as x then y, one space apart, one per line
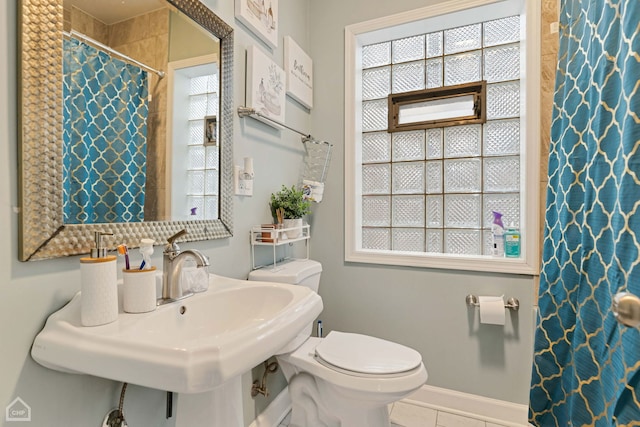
344 379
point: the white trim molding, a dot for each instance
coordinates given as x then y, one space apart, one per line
508 414
435 18
470 405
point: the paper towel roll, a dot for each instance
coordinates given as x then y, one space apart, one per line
99 291
492 311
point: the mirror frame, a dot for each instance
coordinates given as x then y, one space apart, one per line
42 233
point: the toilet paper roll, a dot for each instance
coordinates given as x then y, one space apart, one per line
492 311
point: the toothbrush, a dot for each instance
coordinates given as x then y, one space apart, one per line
122 250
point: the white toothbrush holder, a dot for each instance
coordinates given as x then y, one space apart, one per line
139 290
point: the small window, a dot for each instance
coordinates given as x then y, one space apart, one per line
448 106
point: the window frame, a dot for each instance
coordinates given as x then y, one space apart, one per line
476 89
450 14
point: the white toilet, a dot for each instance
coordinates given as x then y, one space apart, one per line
344 379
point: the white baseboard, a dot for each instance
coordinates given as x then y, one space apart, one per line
441 399
275 412
470 405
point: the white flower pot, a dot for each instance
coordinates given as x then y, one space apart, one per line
294 226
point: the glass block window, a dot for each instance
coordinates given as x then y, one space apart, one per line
202 157
434 190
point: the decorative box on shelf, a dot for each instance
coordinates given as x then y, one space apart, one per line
275 235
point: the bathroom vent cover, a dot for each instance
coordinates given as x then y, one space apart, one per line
367 355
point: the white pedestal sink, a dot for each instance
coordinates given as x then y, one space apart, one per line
220 407
198 347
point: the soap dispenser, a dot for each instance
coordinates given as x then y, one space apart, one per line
98 285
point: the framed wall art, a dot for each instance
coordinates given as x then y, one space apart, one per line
265 86
211 130
299 70
261 17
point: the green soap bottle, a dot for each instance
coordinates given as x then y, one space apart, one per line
512 242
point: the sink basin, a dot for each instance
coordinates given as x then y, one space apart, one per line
189 346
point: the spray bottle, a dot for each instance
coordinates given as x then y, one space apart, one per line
497 229
512 242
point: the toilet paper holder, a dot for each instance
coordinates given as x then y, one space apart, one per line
512 303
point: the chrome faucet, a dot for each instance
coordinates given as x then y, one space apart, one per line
173 258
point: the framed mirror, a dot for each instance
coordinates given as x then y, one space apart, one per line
188 187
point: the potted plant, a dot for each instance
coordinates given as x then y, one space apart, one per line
288 206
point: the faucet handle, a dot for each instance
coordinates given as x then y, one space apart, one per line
177 236
172 247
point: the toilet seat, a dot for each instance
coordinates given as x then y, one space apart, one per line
366 356
304 359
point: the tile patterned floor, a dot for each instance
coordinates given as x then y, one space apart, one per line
407 415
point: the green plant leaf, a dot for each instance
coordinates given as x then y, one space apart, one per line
291 201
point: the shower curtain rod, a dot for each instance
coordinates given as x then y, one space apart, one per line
248 111
74 33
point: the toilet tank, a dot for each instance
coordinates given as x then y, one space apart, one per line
293 272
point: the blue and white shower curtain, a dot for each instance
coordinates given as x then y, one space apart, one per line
586 366
104 137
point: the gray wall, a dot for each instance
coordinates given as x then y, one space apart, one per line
421 308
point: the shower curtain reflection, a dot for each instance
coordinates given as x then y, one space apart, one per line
105 114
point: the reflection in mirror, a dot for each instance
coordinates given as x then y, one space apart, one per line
193 134
142 138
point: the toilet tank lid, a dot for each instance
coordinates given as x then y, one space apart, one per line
291 272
